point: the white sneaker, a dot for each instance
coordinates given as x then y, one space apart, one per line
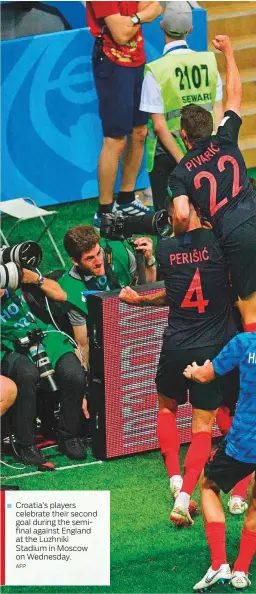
219 576
240 580
135 208
175 488
237 505
180 516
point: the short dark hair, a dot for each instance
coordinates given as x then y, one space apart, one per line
176 36
196 121
80 239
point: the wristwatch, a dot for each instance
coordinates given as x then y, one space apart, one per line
151 262
135 19
40 279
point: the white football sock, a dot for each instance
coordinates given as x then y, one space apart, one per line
176 480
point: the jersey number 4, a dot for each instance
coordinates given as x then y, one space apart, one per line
214 206
195 287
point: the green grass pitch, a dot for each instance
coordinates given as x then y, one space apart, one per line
148 553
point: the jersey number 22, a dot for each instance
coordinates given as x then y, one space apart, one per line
214 206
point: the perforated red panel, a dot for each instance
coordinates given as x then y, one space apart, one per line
132 342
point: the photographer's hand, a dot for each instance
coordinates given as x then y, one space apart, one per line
29 276
145 245
49 287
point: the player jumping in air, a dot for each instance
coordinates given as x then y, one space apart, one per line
235 459
213 176
200 322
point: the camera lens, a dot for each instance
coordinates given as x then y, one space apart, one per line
27 254
10 276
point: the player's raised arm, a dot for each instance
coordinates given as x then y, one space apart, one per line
233 80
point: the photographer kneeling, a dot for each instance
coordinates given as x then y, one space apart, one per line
99 265
26 338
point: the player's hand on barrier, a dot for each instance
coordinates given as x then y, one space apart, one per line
129 296
222 43
85 409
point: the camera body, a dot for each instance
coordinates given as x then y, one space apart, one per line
114 226
32 344
12 259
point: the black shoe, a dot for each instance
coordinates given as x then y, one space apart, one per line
30 455
73 448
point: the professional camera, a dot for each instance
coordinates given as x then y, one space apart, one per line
32 344
12 259
116 226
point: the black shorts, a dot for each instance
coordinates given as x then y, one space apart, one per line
171 382
225 471
119 91
240 251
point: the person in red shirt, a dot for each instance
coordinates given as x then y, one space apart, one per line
118 67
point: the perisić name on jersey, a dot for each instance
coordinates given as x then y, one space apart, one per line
59 538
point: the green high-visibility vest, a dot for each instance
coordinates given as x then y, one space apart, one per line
17 320
183 78
76 288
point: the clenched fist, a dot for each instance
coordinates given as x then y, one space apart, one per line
223 44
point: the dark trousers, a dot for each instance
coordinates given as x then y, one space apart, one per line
163 167
70 379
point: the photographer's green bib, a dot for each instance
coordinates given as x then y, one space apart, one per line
183 78
17 320
76 288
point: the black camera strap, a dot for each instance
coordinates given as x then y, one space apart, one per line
108 252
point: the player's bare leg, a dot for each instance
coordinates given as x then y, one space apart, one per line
197 456
214 519
247 308
237 504
247 550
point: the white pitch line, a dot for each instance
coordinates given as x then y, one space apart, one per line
14 476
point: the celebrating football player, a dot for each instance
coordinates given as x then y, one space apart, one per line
200 321
212 175
234 459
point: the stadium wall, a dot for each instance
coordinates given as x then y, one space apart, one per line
51 131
